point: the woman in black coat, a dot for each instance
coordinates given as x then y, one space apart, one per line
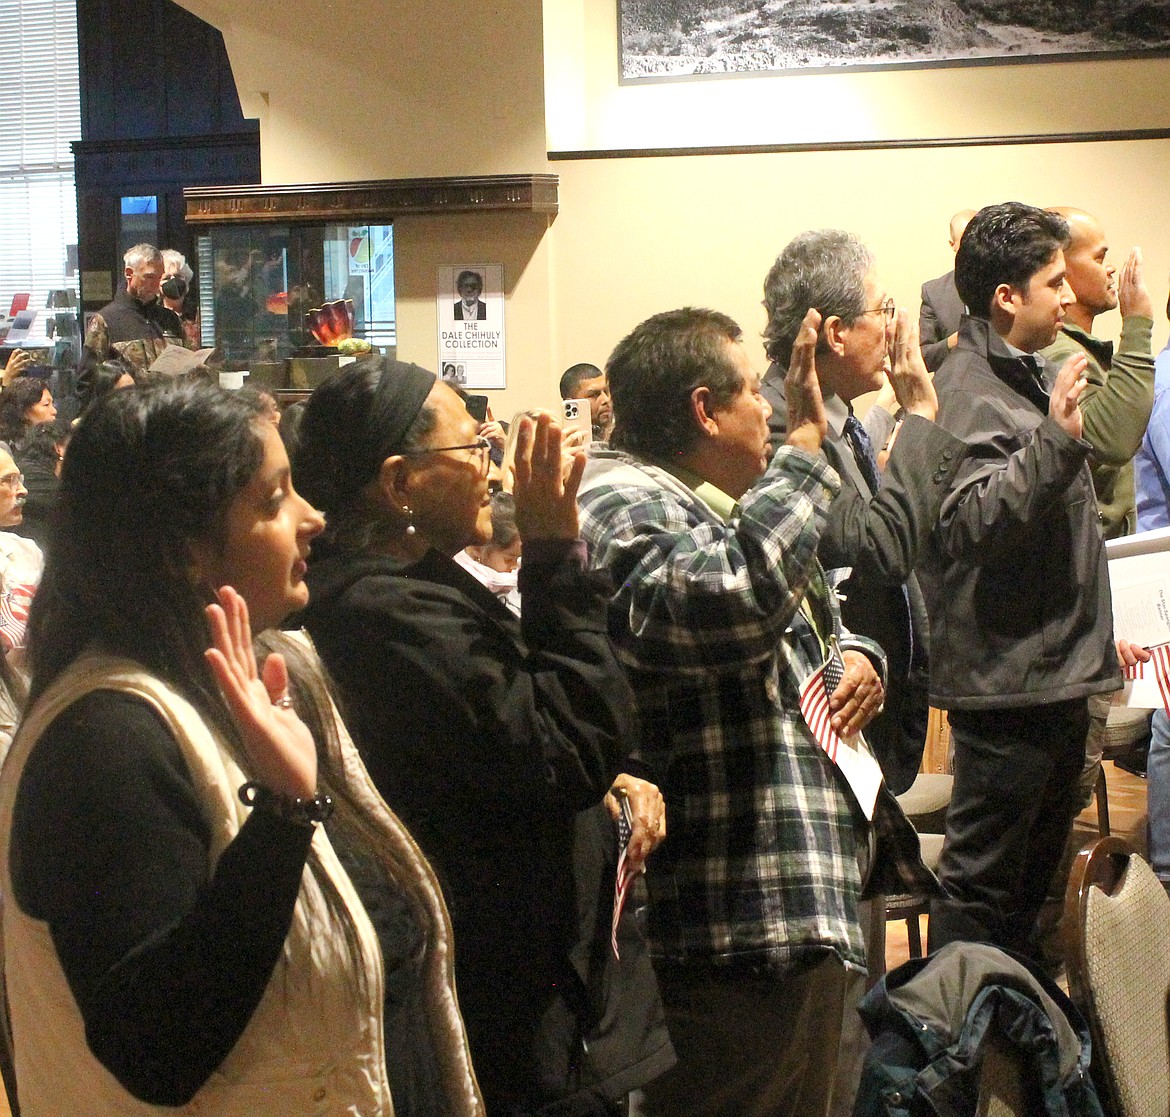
496 738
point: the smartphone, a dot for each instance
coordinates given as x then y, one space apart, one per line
576 415
477 406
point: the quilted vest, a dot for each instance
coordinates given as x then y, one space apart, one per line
314 1044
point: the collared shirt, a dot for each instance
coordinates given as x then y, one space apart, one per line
762 863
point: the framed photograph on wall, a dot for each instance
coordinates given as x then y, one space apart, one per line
690 38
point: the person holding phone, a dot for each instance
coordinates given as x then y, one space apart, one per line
495 737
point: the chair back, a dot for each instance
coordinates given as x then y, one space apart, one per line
1117 926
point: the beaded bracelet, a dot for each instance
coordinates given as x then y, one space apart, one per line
301 811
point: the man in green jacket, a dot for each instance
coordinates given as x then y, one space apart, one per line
1115 405
1117 401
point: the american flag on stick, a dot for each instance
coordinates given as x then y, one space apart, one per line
626 872
853 759
1159 664
14 608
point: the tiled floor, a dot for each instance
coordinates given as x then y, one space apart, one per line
1127 819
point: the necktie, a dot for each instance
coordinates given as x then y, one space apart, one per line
863 452
867 462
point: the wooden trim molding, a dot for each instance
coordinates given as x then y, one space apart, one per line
381 200
869 145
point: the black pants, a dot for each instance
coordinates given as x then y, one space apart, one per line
1013 804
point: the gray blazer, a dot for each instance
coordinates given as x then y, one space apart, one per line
939 318
881 537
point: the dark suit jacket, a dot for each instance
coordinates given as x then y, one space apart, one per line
939 318
480 310
881 538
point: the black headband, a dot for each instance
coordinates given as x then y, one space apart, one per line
402 390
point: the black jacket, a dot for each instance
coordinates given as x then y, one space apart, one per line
495 738
1014 574
941 312
931 1018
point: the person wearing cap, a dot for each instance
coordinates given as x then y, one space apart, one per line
495 737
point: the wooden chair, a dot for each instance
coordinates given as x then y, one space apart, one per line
1117 926
910 907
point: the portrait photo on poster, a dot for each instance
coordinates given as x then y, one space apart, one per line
470 304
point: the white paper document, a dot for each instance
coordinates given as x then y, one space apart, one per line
1139 579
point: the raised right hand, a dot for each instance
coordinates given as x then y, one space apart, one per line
1062 404
19 362
807 424
546 499
280 748
1133 296
911 381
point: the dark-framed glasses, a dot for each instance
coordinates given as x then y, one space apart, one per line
888 310
481 444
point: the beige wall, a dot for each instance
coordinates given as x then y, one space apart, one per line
412 95
636 236
588 109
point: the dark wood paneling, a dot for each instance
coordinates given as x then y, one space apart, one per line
159 112
381 200
149 68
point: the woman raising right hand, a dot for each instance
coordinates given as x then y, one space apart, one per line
178 928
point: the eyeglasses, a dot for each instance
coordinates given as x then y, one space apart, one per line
481 444
889 309
12 480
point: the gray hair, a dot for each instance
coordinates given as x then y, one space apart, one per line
175 263
823 268
140 255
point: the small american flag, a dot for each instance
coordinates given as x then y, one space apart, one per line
14 608
853 761
1159 664
814 700
625 871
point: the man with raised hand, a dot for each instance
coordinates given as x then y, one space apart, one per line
879 522
1119 391
721 614
1021 630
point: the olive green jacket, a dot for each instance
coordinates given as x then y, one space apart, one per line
1116 408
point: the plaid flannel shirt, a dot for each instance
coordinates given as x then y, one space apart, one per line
761 865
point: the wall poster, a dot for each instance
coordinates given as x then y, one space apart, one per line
471 325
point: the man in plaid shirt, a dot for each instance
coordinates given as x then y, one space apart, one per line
722 613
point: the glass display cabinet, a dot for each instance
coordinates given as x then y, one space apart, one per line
267 256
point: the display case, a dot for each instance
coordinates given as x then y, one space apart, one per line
267 256
258 282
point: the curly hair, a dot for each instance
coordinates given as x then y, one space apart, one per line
24 392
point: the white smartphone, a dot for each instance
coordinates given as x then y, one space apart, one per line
577 415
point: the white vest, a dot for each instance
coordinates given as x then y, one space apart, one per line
314 1045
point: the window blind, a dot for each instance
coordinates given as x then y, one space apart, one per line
40 114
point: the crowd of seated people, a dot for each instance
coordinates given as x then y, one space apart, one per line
335 739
